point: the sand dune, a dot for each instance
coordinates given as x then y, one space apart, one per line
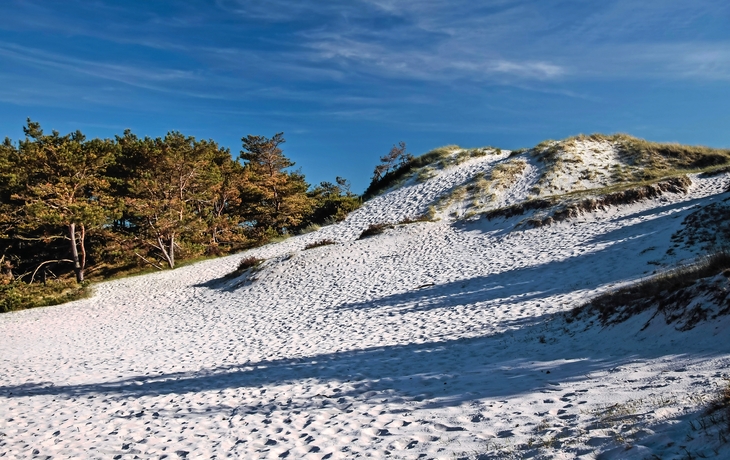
434 340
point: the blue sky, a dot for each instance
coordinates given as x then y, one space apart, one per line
345 80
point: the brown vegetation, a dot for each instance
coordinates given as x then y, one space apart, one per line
670 293
374 229
576 208
319 243
246 264
632 195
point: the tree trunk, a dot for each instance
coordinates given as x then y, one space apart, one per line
78 269
172 251
168 255
83 247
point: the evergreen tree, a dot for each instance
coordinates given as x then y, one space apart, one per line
222 215
332 202
65 188
274 200
169 186
9 207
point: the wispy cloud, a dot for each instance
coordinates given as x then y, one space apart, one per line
126 74
540 70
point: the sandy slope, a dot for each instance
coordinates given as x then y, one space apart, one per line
435 340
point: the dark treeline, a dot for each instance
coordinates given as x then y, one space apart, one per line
72 206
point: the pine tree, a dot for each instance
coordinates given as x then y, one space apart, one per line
396 158
332 202
228 179
274 199
65 187
170 187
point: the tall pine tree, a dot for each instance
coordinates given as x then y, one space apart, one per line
274 200
65 191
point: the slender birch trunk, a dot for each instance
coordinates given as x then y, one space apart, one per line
78 269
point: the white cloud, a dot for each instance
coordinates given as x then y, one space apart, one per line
539 70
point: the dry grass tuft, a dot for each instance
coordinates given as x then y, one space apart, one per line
244 265
670 292
414 220
319 243
374 229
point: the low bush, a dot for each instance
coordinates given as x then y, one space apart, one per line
249 262
319 243
413 220
18 295
245 264
374 229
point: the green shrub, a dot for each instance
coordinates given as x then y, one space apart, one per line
19 295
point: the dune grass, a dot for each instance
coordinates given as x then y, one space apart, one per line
374 229
319 243
658 291
246 264
426 165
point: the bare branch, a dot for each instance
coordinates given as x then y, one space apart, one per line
46 262
151 263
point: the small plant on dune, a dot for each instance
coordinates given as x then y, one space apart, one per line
374 229
249 262
721 405
661 291
244 265
415 220
309 229
319 243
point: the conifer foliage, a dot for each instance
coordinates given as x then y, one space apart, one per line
276 199
64 194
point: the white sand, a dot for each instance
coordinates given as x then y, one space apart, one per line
434 340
